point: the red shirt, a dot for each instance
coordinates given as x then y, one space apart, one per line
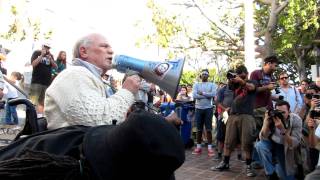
263 99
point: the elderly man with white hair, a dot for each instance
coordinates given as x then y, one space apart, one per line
78 95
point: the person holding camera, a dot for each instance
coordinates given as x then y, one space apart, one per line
279 137
241 126
314 140
265 83
310 110
224 101
42 62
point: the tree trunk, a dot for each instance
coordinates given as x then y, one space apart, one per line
275 10
301 68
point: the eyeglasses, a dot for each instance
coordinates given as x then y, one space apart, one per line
283 78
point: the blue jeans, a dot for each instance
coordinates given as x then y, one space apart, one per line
11 111
266 150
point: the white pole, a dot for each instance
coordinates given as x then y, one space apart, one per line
250 62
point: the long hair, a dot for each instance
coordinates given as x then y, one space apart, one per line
38 165
59 58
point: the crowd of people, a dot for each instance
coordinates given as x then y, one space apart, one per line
273 123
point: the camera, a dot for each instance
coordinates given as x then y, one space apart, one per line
314 114
277 89
231 75
316 96
273 114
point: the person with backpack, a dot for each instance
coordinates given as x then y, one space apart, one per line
289 93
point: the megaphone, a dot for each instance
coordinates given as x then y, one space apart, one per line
164 74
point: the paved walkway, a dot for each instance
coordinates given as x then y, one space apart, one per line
197 167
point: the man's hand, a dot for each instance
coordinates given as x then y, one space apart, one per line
311 123
314 103
174 119
132 83
266 119
43 52
270 86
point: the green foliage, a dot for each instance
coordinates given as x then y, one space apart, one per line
297 26
190 77
18 28
176 32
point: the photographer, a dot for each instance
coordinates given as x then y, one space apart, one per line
241 124
314 139
309 154
42 62
265 83
279 136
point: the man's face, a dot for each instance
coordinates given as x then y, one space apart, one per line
99 52
270 67
46 48
204 75
285 111
284 79
318 81
303 86
243 76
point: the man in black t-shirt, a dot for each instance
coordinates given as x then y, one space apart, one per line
42 61
241 126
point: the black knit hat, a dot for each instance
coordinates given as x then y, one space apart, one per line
143 147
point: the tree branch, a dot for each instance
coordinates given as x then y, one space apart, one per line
282 6
215 24
268 2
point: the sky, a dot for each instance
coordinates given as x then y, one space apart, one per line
73 19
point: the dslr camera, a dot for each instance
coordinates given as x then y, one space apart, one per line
231 75
273 114
277 88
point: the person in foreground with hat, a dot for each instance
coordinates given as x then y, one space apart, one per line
42 62
143 147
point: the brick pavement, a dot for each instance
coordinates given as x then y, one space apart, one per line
197 167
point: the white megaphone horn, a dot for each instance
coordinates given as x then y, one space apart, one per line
164 74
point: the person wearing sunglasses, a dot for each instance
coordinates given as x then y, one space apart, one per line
279 137
289 93
310 159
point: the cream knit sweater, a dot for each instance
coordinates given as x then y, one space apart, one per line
77 97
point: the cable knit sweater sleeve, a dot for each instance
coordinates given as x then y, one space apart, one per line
78 97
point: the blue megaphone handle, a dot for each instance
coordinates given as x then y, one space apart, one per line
124 63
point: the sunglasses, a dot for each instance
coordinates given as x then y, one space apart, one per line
283 78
